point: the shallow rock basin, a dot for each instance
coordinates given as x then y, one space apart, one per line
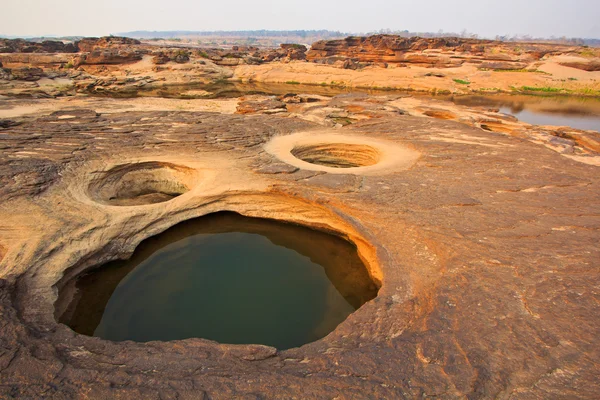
141 183
336 155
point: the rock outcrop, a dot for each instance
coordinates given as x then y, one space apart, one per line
27 74
91 44
110 50
108 57
178 56
590 65
260 104
239 55
92 51
47 46
38 60
55 46
435 52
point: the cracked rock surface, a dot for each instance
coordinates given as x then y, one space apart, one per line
486 248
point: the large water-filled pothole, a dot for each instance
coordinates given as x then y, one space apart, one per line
223 277
337 155
142 183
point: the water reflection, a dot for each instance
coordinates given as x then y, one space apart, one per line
576 112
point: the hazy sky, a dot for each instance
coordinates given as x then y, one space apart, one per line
574 18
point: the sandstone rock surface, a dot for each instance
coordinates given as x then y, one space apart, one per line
91 44
485 245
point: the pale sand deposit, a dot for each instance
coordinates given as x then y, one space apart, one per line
422 78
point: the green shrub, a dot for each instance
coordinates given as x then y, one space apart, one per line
541 89
522 70
462 82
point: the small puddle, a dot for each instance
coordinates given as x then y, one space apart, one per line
223 277
583 122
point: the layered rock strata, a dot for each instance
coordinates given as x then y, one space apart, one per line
435 52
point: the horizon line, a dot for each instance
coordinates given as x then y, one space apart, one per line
465 34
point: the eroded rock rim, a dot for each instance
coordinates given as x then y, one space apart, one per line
350 277
342 153
141 183
338 155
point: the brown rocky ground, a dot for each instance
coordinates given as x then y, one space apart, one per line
482 231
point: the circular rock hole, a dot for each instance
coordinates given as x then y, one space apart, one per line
440 114
337 155
222 277
142 183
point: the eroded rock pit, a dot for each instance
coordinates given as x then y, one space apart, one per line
222 277
338 155
440 114
341 154
142 183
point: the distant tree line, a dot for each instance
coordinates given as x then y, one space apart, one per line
324 34
503 38
253 33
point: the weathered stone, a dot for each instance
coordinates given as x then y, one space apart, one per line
485 247
277 168
255 104
590 66
88 45
109 56
47 46
5 74
438 52
503 65
161 58
27 74
7 123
